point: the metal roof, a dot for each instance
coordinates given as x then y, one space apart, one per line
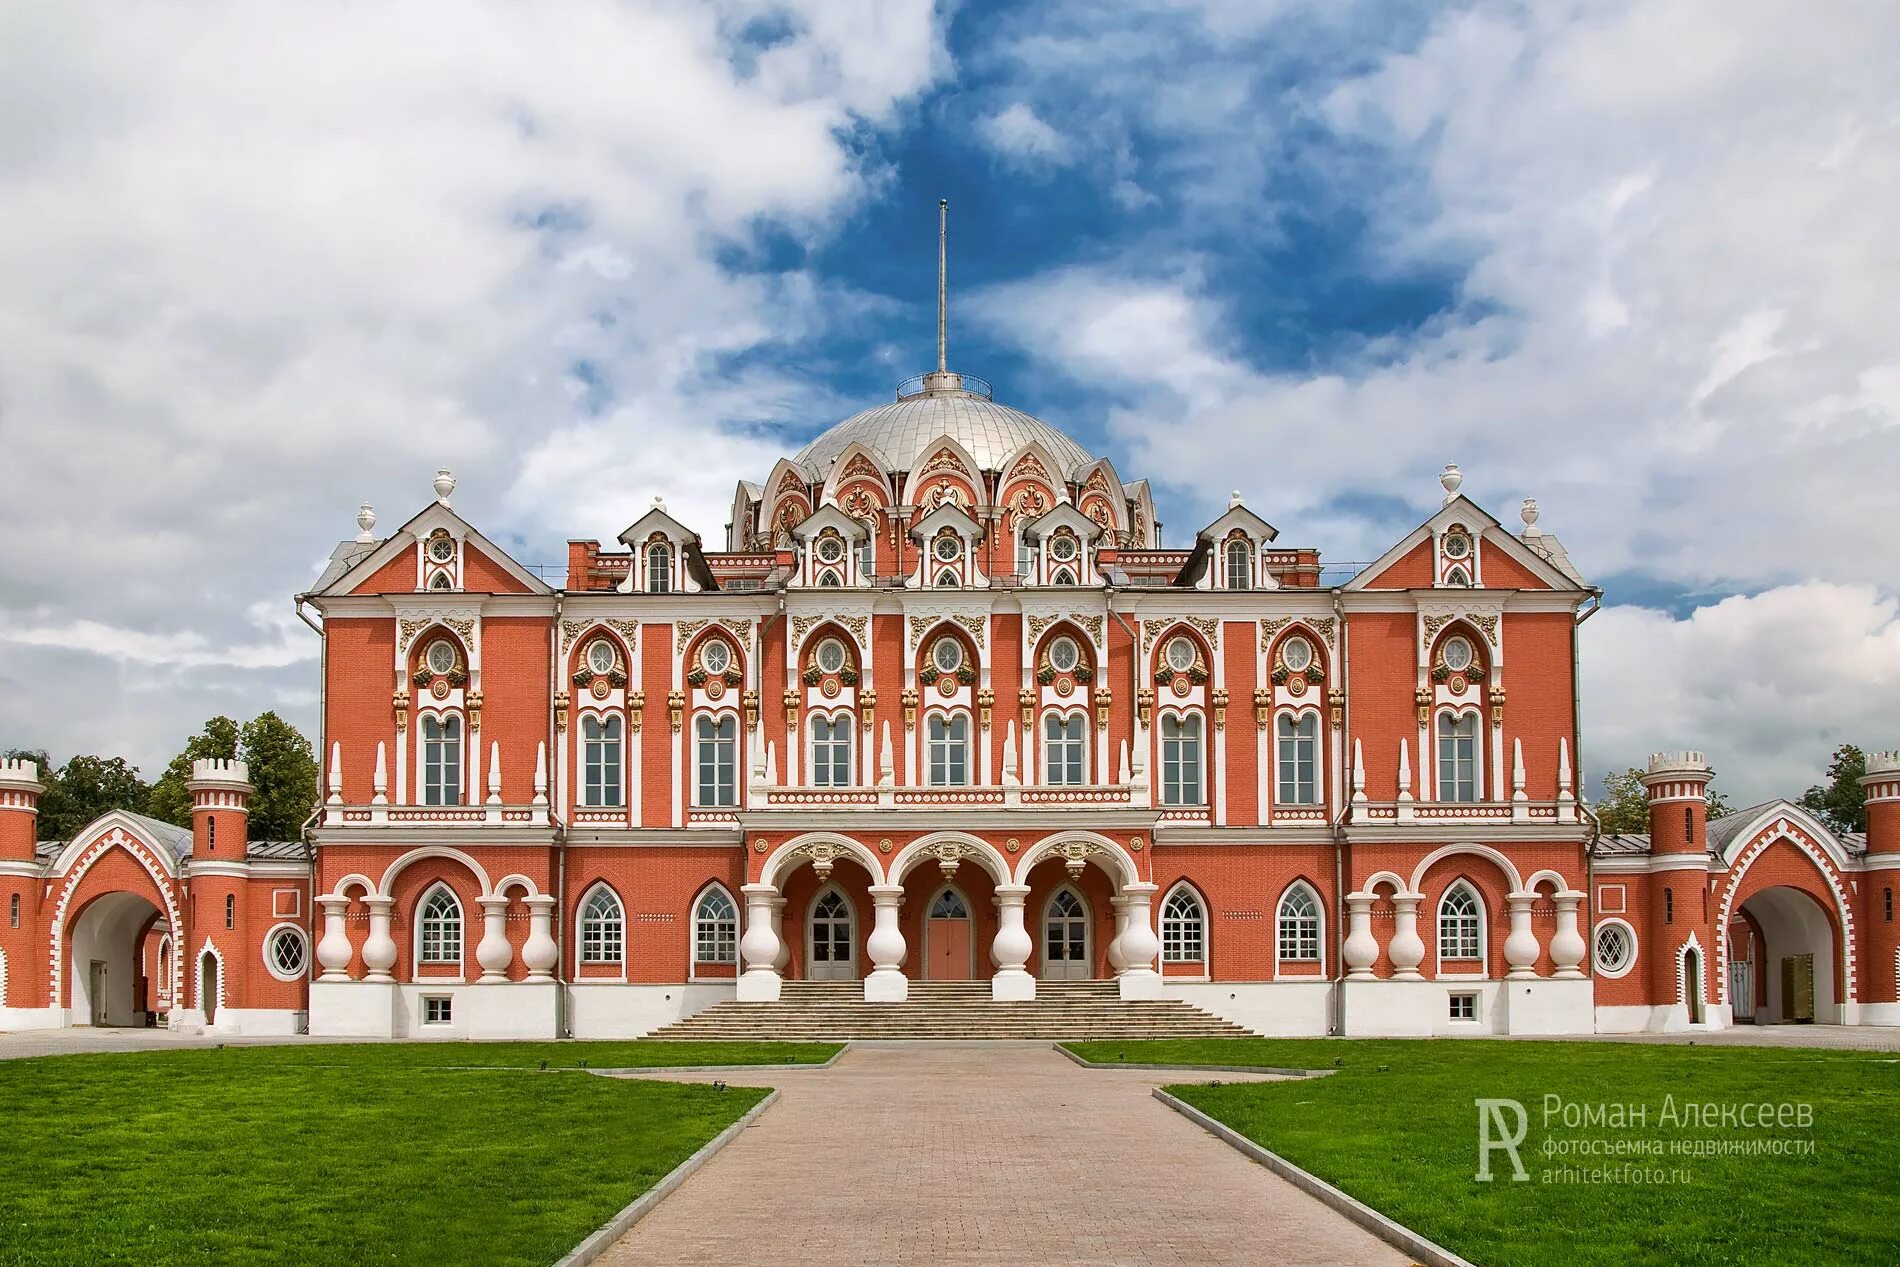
901 430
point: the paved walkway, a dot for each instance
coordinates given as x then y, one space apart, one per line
991 1153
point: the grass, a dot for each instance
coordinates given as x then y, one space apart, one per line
1396 1126
346 1153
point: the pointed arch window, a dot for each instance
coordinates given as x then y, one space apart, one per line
949 741
441 760
659 569
1298 759
1065 750
1063 576
1239 565
1181 759
717 750
1297 926
1460 924
1458 757
1183 927
947 579
439 927
603 927
716 928
601 763
831 751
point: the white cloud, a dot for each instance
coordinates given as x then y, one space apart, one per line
1019 134
1766 684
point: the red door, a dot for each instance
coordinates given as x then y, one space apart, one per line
948 938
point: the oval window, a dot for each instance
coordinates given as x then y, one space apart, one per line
1457 654
716 657
1063 654
1180 655
600 656
441 657
947 655
830 656
1297 654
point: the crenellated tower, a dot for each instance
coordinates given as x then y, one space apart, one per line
20 790
1683 945
220 824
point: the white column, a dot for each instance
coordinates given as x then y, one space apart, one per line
760 946
333 952
1361 948
1116 958
493 952
540 952
1567 947
379 949
1139 946
885 946
1520 948
1407 951
784 955
1010 951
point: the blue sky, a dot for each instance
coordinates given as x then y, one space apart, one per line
1632 259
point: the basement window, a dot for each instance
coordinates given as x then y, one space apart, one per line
435 1010
1464 1007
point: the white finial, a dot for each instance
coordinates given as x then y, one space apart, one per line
1517 770
1529 515
1234 500
1405 771
1009 756
444 484
659 504
382 776
1451 479
366 524
771 763
1122 767
336 774
886 766
541 773
494 773
1358 773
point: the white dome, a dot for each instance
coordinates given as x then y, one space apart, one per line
900 431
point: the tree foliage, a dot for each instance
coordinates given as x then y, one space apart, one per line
83 789
171 795
1841 802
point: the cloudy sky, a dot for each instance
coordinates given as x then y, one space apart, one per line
1637 260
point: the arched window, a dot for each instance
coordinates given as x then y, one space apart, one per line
947 579
1065 750
1062 577
439 927
1181 759
1297 926
718 757
230 910
1460 924
1239 565
603 927
716 928
659 569
441 760
1458 578
828 579
831 751
163 968
1298 758
601 764
949 738
1183 927
1458 757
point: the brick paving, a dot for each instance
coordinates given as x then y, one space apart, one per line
991 1153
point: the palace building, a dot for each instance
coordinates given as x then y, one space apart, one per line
943 707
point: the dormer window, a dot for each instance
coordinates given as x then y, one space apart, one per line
829 580
1062 577
659 569
441 581
1239 565
947 579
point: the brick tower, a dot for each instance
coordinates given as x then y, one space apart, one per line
220 819
20 789
1682 937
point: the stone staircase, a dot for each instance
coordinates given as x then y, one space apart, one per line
952 1010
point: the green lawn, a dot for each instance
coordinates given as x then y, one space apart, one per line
354 1154
1396 1126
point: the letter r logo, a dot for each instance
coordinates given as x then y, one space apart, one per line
1495 1132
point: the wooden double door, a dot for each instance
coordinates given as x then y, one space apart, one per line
949 943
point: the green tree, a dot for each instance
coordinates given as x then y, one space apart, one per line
171 795
83 789
284 772
1624 806
1841 802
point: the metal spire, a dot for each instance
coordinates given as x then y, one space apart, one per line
943 229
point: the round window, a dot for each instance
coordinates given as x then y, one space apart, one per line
1457 545
716 657
1457 654
1180 654
947 655
1297 654
284 953
830 656
441 549
1062 546
440 657
948 547
1063 654
1616 949
830 549
600 656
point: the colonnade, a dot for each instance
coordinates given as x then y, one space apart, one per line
1406 949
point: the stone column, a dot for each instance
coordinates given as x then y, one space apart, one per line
379 949
1117 959
334 951
1567 947
759 983
1407 951
493 952
1011 949
1139 945
1361 948
540 952
1520 948
885 946
784 955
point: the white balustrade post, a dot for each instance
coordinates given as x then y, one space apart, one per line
540 952
334 951
1117 959
759 983
885 946
493 952
1361 948
784 955
1010 951
1520 948
1407 951
1139 945
1567 947
379 948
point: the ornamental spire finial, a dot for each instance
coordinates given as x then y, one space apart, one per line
943 233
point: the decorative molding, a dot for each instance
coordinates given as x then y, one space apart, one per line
1093 624
1270 629
1324 627
686 629
1490 626
802 625
1209 627
977 625
741 625
859 627
1036 624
